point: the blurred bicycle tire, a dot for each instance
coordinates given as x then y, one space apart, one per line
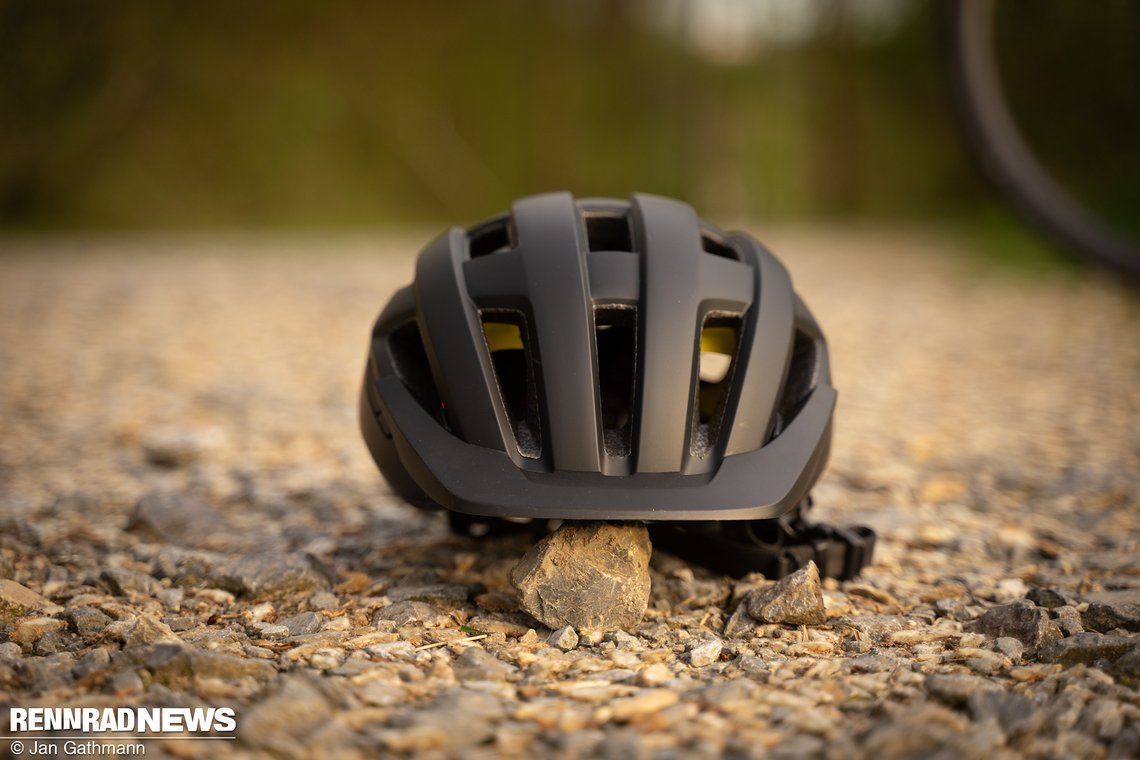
997 141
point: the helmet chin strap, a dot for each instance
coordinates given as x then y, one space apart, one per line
775 548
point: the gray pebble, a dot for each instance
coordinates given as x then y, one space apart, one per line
477 664
955 689
1022 620
88 622
1087 647
1102 719
303 623
1050 598
1068 620
564 638
705 653
324 600
797 599
176 518
1010 647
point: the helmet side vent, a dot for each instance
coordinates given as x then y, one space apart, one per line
719 345
511 356
608 232
803 376
493 237
616 340
717 247
405 348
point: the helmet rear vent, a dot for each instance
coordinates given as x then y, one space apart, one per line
719 345
511 357
608 232
616 339
406 350
716 247
803 376
492 237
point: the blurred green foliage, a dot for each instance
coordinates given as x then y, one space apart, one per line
134 113
130 113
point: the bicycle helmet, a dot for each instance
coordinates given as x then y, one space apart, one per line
599 359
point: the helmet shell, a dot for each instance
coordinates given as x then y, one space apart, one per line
599 359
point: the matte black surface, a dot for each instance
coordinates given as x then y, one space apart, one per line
546 263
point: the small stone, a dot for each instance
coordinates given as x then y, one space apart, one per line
1113 609
642 703
324 600
408 613
590 638
1102 719
126 683
795 600
1022 620
1017 715
513 626
177 447
1010 647
705 653
874 663
656 674
253 575
587 575
303 623
88 622
54 641
455 593
740 624
1127 744
147 630
272 631
1127 668
29 630
391 650
564 638
1050 598
181 622
326 659
17 600
259 613
123 581
177 666
176 518
95 660
1068 620
984 661
477 664
296 708
1087 648
955 689
10 651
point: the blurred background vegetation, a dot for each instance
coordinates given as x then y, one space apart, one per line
139 114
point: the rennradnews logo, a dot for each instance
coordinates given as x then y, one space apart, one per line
91 720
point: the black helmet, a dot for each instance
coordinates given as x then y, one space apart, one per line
599 359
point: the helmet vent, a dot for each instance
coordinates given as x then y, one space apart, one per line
717 247
409 359
608 232
492 237
506 336
803 376
720 341
616 339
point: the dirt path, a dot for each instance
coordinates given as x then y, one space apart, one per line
988 427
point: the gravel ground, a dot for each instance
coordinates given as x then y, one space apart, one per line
188 516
